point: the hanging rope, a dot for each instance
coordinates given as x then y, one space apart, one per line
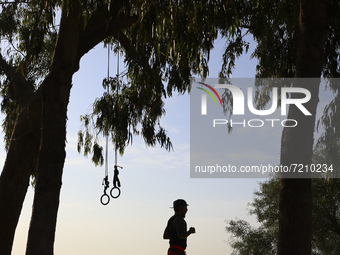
116 181
105 199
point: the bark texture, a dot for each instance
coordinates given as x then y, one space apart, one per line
55 94
73 42
21 159
38 139
295 200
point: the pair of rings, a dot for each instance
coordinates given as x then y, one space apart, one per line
105 199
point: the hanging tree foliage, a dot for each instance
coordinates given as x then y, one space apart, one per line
168 44
164 43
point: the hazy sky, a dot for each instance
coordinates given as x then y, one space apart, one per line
151 180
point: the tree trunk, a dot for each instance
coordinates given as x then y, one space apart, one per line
20 162
22 153
55 94
41 128
50 166
295 200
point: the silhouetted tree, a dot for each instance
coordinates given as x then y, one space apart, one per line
161 40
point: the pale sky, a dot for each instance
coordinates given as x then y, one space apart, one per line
151 180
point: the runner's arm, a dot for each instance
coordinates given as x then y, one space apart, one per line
166 234
182 233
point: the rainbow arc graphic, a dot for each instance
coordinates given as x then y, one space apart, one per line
204 97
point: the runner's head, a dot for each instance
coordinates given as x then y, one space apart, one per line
180 207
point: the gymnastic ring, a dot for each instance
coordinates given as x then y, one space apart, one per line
102 199
116 195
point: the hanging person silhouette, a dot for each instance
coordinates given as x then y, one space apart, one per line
176 229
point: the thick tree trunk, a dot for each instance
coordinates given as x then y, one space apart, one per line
20 162
22 154
55 95
50 166
74 41
295 201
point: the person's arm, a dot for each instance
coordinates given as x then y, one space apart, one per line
182 233
166 234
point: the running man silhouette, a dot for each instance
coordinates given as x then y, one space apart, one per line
176 229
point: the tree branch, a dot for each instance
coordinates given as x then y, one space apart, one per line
132 54
67 44
34 31
20 89
97 30
4 65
